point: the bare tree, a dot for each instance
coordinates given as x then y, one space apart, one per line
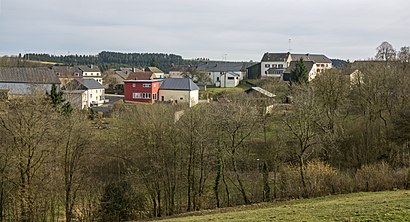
386 52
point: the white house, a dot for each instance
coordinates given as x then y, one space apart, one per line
179 90
275 64
84 93
90 72
25 81
223 74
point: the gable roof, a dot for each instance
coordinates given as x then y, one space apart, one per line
82 84
275 57
292 66
65 71
28 75
178 84
91 68
317 58
153 69
140 76
221 66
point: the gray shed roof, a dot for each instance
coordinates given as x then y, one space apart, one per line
178 84
28 75
82 84
277 57
221 66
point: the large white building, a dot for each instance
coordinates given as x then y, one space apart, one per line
275 64
90 72
84 93
223 74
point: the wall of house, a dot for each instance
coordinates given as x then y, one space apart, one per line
77 100
137 87
220 78
26 88
271 64
179 96
228 82
95 97
93 75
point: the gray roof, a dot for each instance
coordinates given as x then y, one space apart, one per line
277 57
82 84
221 66
65 71
317 58
292 66
28 75
91 68
178 84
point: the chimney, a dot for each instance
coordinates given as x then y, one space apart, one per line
92 66
133 69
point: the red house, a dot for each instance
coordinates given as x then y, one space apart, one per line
141 87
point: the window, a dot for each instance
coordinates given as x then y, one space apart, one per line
217 78
181 98
237 77
91 96
231 78
280 65
154 95
274 65
267 65
146 85
141 95
322 65
134 85
327 65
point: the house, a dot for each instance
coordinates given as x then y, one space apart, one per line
84 93
26 81
141 87
90 72
179 90
223 74
159 74
275 64
310 66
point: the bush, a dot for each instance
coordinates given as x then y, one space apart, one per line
375 177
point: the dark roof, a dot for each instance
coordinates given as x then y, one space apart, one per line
317 58
221 66
280 57
178 84
292 66
28 75
153 69
91 68
140 76
82 84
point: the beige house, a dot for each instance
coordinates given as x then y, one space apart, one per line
179 90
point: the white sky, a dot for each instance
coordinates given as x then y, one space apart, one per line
241 29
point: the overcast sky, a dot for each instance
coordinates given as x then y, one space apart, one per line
239 29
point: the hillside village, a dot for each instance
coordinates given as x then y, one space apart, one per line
108 142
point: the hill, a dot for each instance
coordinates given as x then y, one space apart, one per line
378 206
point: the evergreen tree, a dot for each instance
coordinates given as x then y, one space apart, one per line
58 101
300 74
154 62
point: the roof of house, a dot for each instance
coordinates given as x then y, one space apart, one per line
91 68
82 84
65 71
140 76
153 69
233 74
221 66
317 58
277 57
28 75
178 84
292 66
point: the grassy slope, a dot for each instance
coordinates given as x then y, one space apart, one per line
380 206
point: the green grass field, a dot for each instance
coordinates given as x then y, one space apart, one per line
379 206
